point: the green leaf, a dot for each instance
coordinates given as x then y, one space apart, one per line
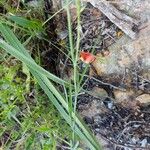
23 22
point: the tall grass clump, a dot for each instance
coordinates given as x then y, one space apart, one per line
66 105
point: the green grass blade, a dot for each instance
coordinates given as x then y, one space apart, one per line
16 49
30 63
44 83
12 40
25 23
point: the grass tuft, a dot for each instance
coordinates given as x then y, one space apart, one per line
34 111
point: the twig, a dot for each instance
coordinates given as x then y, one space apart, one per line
139 122
104 83
121 145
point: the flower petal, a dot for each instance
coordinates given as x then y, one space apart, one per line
87 57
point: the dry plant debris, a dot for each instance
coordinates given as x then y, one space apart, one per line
121 20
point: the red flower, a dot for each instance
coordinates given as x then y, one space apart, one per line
87 57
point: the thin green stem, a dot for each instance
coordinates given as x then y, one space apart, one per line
55 14
70 31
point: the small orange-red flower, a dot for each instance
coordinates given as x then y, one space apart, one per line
87 57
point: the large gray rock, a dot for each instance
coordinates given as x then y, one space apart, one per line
128 64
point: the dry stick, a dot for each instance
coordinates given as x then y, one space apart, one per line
121 145
127 125
104 83
122 21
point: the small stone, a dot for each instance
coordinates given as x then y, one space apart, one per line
143 143
88 120
12 98
123 95
108 103
99 92
144 98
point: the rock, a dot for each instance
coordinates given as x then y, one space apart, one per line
133 105
144 98
98 92
123 95
138 8
92 109
126 53
109 103
128 59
